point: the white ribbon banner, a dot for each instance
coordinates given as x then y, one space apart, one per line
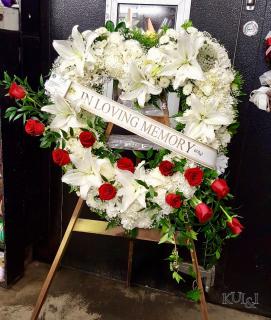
133 121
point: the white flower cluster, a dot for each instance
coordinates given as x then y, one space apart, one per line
87 173
189 62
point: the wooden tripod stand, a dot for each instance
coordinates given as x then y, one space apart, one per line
100 227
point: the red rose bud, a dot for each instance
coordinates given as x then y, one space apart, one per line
166 168
16 91
220 187
235 226
268 42
34 127
107 191
203 212
174 200
126 164
194 176
87 139
61 157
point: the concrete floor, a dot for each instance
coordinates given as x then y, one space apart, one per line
76 295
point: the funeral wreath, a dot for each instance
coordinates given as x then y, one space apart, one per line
164 189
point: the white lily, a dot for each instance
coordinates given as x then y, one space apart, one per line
131 190
65 115
140 86
77 51
202 119
183 62
87 173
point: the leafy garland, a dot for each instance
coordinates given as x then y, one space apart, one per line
206 213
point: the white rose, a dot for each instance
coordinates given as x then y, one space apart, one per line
187 89
155 55
172 33
164 39
192 30
164 82
115 38
101 31
107 170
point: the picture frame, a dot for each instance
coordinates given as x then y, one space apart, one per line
152 8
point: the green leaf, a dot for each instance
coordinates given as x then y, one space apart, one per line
176 276
41 81
7 77
11 109
18 116
187 24
193 295
142 183
64 133
104 178
120 25
149 153
71 132
26 108
139 154
217 254
110 26
132 233
164 239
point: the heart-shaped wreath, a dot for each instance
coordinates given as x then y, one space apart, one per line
164 190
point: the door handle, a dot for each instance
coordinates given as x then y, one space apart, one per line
250 5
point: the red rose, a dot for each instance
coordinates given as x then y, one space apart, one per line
220 187
173 200
87 139
166 168
16 91
61 157
34 127
203 212
235 226
194 176
107 191
126 164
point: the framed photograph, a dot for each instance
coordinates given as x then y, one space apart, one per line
147 14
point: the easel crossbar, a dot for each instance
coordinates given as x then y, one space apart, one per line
101 227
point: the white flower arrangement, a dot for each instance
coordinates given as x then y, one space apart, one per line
163 190
189 62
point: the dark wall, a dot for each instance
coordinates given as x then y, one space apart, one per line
67 13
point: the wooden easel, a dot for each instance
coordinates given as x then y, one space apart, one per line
100 227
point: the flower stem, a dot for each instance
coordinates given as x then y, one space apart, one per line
226 213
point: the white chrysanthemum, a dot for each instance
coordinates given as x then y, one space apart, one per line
114 65
221 163
178 182
135 217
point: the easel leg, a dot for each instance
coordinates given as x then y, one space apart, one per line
130 262
55 264
203 305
